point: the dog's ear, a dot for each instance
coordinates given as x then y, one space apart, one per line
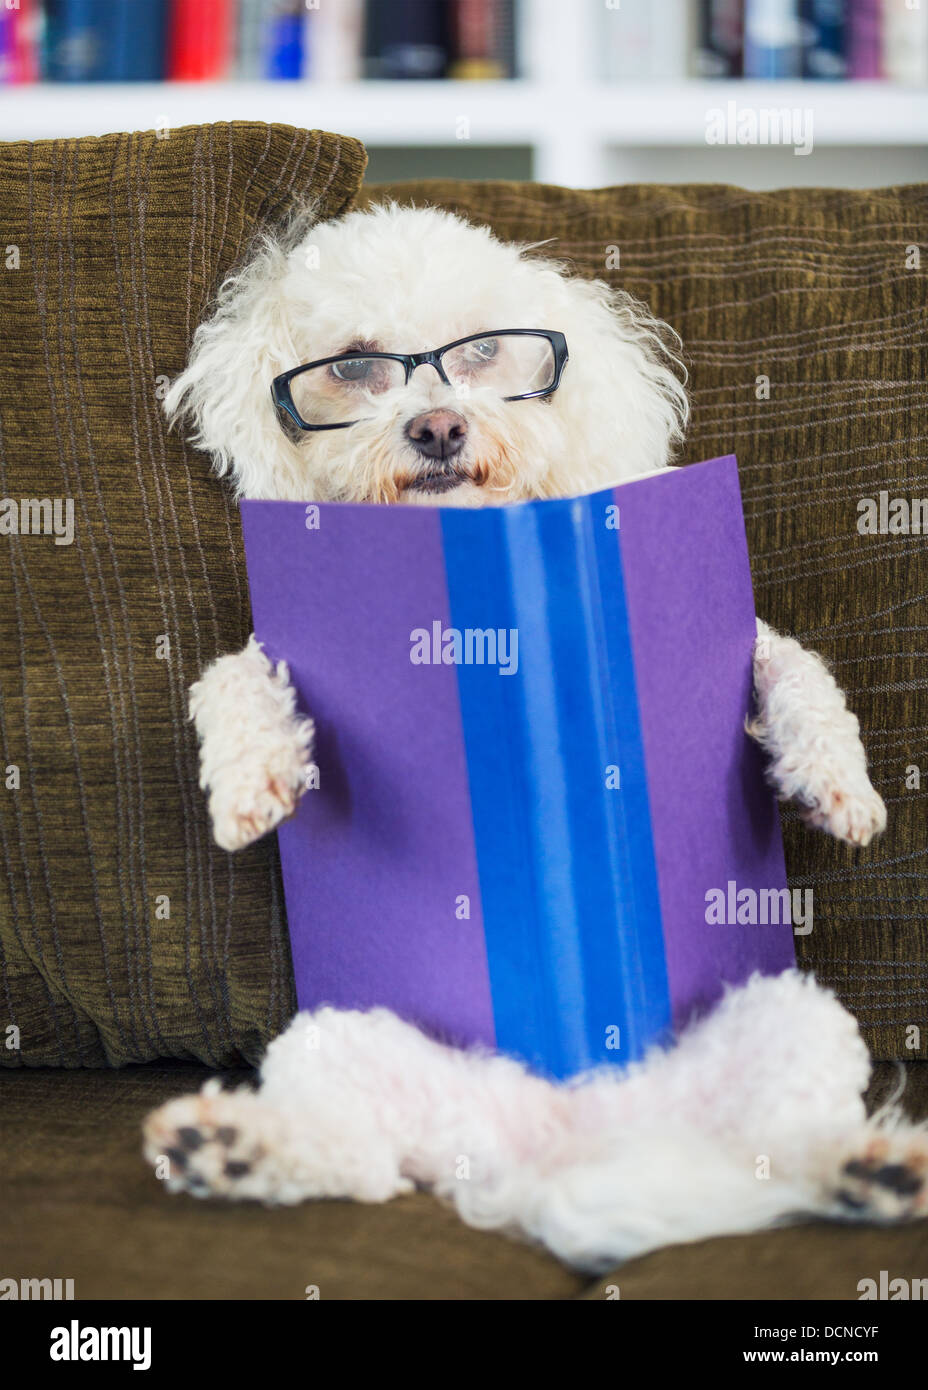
223 395
627 397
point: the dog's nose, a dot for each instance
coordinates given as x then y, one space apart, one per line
438 434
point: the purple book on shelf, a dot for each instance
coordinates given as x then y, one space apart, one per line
865 39
539 824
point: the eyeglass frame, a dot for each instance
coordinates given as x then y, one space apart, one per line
283 399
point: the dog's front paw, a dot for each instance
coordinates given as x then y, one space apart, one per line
812 741
253 796
852 813
255 749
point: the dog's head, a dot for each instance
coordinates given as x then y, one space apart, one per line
410 281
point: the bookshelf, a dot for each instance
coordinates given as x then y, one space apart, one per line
575 128
581 136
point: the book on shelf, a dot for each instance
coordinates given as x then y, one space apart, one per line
772 39
481 40
905 42
824 39
335 41
639 40
105 40
201 40
19 41
865 39
286 35
407 40
720 50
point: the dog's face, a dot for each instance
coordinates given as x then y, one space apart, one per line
407 281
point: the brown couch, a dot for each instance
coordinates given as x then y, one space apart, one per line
801 316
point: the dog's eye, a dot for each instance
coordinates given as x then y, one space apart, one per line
357 369
484 350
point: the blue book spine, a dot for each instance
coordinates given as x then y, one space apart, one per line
105 40
824 24
537 750
284 56
772 47
74 40
138 50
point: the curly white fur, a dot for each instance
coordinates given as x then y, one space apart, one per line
254 747
688 1144
812 739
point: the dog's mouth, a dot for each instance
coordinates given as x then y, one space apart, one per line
440 478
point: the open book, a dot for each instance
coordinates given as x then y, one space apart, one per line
536 811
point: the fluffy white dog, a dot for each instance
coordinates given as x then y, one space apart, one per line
757 1113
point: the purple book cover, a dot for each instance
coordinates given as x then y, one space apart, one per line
532 768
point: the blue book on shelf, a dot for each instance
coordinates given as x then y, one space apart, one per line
284 41
824 38
772 45
105 40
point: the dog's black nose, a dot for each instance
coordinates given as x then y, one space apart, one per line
438 434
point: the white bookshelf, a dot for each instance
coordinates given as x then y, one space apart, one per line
581 131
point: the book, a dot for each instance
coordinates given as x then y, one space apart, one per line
201 36
284 40
19 41
533 775
406 39
335 40
721 39
772 39
904 42
6 46
640 40
824 39
105 40
249 40
865 39
481 40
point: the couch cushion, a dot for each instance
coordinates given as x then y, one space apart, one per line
124 934
820 293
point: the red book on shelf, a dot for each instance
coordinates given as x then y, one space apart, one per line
22 41
201 39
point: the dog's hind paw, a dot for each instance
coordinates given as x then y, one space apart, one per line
236 1145
886 1179
217 1144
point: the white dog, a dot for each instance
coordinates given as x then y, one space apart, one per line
757 1113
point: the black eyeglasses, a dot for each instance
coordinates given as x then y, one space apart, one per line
516 364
